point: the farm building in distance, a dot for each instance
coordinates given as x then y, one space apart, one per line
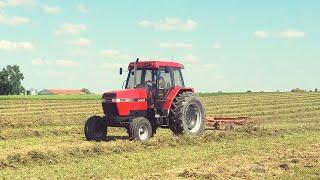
31 91
59 92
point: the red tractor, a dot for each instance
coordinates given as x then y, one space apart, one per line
154 96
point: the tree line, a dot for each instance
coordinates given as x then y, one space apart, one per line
302 90
10 80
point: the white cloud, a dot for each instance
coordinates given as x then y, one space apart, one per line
193 64
68 28
199 68
13 20
217 45
176 45
112 66
190 58
261 34
16 46
65 63
56 63
52 9
170 24
292 33
82 9
114 54
2 5
79 42
40 62
16 3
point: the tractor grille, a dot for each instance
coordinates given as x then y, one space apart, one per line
110 109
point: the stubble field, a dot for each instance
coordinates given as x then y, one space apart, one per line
43 139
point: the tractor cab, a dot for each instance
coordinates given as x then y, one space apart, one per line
158 78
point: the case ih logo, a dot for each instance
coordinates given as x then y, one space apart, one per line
106 100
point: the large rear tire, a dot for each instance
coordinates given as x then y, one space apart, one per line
140 129
187 115
95 129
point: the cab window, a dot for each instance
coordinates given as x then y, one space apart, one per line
164 78
178 80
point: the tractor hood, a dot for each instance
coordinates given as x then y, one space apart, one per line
127 94
123 102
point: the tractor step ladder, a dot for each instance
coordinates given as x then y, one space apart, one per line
162 120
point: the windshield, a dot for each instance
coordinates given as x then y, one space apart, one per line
143 75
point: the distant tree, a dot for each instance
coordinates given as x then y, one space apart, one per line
22 89
10 80
249 91
220 92
316 90
85 90
297 90
310 90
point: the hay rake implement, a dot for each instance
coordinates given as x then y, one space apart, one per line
226 123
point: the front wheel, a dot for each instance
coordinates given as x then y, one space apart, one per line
95 129
140 129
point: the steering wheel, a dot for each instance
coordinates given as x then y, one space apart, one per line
149 83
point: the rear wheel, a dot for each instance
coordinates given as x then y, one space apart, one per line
187 114
95 129
140 129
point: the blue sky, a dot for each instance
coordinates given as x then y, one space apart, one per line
225 45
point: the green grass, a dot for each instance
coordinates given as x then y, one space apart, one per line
52 97
44 139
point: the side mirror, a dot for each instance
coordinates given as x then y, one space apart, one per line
120 71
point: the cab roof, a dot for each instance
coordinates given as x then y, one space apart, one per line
155 64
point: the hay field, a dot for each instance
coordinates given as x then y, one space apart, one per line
43 139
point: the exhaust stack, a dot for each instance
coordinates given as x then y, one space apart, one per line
135 70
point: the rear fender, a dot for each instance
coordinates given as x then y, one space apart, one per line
173 93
